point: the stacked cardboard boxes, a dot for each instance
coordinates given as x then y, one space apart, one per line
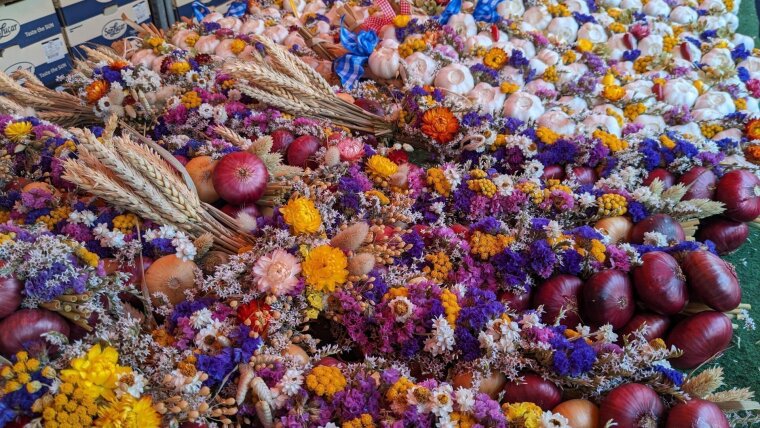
97 22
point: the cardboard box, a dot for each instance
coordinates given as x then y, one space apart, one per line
75 11
107 27
47 59
25 22
185 7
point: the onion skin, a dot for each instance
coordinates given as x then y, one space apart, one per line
579 413
171 276
739 190
607 297
703 183
663 174
700 337
370 106
516 302
696 413
557 292
201 170
281 139
302 149
727 235
24 328
712 280
584 175
533 389
657 325
660 284
618 228
661 223
491 385
234 210
240 178
10 295
632 405
553 171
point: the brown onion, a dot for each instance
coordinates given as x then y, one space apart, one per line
607 297
702 181
660 284
656 325
661 223
700 337
617 228
663 175
10 295
712 280
696 413
171 276
491 385
579 413
727 235
201 170
24 329
533 389
739 190
556 293
632 405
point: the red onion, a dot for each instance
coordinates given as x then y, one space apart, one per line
182 159
700 337
240 178
739 190
301 149
656 324
371 106
607 297
727 235
517 302
561 291
661 223
10 295
553 171
533 389
660 284
281 139
24 328
663 174
702 181
696 413
712 280
584 175
234 210
632 405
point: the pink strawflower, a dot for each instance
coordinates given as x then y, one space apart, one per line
277 272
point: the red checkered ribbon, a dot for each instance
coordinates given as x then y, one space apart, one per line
377 21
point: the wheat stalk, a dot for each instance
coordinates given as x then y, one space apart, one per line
294 67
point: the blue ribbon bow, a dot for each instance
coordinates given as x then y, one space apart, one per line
485 11
350 67
452 8
236 9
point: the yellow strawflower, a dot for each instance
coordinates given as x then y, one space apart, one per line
302 215
18 131
325 268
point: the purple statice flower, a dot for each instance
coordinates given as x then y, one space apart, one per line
570 262
571 358
363 397
595 63
542 258
510 266
484 73
176 115
46 285
488 412
618 258
517 59
36 198
674 376
586 232
77 232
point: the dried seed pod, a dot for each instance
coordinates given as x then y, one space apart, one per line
361 264
350 238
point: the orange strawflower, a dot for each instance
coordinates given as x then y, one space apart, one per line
753 129
440 124
119 64
97 90
753 153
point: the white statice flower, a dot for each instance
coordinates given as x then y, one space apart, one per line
183 384
465 399
131 383
184 247
606 334
150 235
453 175
85 217
583 330
443 404
525 144
108 238
441 338
167 232
645 196
402 308
220 114
291 382
201 318
192 76
533 169
656 239
210 331
554 420
206 110
505 184
530 320
506 334
553 229
586 200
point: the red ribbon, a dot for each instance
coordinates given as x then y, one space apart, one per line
378 21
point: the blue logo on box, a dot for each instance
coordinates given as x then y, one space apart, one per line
114 29
9 28
28 66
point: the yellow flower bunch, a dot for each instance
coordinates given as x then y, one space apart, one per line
634 110
96 373
612 112
179 67
462 420
125 222
18 131
70 407
612 204
484 186
617 27
613 92
191 39
129 412
363 421
740 103
4 217
667 142
558 10
450 307
399 390
550 74
396 292
88 257
316 304
508 87
237 46
325 268
401 21
569 57
710 129
19 375
437 179
669 42
374 193
527 415
191 99
56 215
325 381
301 215
485 245
68 146
495 58
532 190
642 63
411 46
546 135
584 45
597 250
612 142
440 266
699 85
380 167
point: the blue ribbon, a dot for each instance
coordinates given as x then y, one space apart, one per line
236 9
200 10
452 8
485 11
350 67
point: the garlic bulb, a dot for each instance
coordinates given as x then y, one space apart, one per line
487 97
604 122
638 91
564 28
607 109
684 15
718 58
463 24
455 78
207 44
384 63
619 43
688 128
624 68
592 32
299 4
717 5
293 39
538 17
290 21
548 56
687 52
575 104
652 124
213 17
224 49
179 38
538 85
747 41
276 32
156 65
656 8
538 66
732 133
705 114
752 105
523 106
388 32
231 23
508 8
631 4
558 121
143 57
477 41
252 26
314 7
716 100
651 45
679 92
571 73
579 6
526 46
752 64
420 68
